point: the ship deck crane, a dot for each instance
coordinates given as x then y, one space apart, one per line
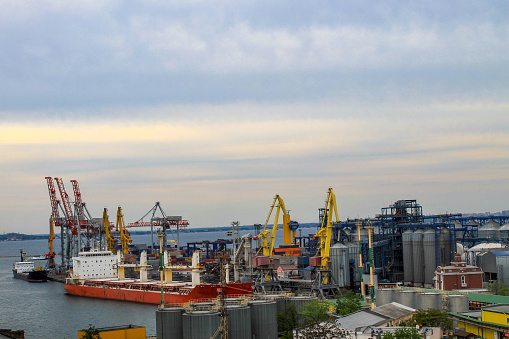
124 235
289 227
110 240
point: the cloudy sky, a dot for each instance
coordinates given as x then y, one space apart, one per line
213 107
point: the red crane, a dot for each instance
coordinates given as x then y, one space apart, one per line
67 206
54 201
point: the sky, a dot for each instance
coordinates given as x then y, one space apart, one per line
213 107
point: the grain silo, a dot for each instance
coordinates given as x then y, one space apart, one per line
504 233
200 324
418 256
429 300
169 323
339 264
489 231
406 297
384 296
408 263
457 303
430 256
264 319
239 321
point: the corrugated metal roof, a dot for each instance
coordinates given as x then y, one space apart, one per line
360 319
393 310
488 298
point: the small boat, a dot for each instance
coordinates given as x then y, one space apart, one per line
26 270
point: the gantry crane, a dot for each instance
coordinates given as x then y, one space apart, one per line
110 240
289 227
125 239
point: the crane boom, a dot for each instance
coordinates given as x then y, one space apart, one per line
325 232
124 235
54 200
67 206
269 236
110 240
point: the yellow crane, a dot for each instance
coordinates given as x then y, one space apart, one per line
124 235
51 255
325 233
269 236
110 240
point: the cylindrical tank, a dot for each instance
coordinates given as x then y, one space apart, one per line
458 303
263 319
418 256
406 297
339 264
490 230
430 264
408 263
364 235
504 233
353 262
300 301
429 300
200 324
169 323
384 296
239 321
233 301
445 246
280 300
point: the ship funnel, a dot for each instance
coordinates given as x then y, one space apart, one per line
143 268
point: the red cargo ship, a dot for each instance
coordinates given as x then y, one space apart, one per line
100 274
177 293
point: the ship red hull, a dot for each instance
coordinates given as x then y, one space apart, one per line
201 292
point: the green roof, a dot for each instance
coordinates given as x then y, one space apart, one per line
488 298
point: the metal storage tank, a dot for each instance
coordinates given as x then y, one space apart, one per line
490 230
300 301
430 262
364 235
445 247
233 301
408 263
280 300
339 264
429 300
406 297
504 233
263 319
169 323
239 321
200 324
384 296
458 303
418 256
353 257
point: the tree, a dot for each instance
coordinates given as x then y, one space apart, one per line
313 312
431 318
403 333
348 304
91 333
287 320
498 288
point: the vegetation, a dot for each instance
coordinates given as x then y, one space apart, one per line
431 318
91 333
348 304
403 333
314 321
498 288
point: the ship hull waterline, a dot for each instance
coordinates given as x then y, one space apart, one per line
199 293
